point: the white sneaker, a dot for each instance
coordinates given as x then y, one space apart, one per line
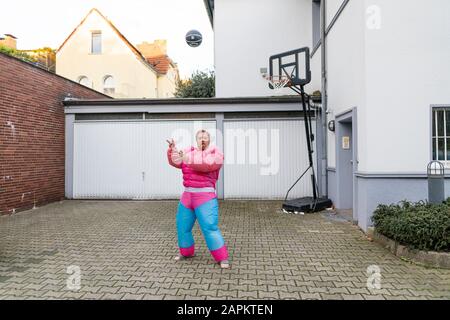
225 264
181 257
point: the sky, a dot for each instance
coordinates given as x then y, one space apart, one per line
47 23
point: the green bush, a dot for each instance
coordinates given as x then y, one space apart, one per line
200 85
420 225
18 54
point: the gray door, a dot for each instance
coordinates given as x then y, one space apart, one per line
344 164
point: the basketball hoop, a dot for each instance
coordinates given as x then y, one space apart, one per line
277 82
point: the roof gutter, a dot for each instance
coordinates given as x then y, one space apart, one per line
209 5
183 101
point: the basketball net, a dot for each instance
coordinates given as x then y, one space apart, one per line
277 82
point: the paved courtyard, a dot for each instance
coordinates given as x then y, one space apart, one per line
125 250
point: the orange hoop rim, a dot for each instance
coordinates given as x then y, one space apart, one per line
278 82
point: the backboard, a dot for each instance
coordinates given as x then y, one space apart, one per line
294 64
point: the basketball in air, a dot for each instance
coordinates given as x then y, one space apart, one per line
194 38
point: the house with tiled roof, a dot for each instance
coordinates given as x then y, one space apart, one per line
97 55
9 41
156 54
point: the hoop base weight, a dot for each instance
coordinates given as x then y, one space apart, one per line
307 204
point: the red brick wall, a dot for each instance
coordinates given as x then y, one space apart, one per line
32 147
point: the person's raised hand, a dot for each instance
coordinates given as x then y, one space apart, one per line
171 143
182 155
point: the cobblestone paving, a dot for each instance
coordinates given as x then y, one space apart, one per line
125 250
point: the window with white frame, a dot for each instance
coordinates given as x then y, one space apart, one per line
96 42
108 85
83 80
441 135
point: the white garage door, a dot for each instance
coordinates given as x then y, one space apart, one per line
127 160
263 158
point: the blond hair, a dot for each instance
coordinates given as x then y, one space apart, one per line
202 131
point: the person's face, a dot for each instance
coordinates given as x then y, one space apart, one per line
203 140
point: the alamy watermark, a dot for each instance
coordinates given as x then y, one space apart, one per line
373 17
73 281
373 278
252 146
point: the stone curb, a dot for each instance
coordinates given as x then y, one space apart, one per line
428 258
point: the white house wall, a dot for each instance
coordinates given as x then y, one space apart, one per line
346 71
362 57
333 7
247 33
389 60
408 69
167 84
131 76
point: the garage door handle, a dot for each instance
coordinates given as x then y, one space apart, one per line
143 175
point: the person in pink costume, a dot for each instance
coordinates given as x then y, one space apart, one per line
200 166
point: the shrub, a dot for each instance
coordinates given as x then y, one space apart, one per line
200 85
420 225
17 53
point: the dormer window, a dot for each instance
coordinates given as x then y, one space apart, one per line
96 42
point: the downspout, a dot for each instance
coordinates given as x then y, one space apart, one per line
157 86
323 11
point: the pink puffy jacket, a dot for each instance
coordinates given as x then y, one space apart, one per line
201 169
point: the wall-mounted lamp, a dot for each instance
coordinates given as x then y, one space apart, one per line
331 125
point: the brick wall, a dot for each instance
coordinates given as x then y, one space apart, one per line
32 146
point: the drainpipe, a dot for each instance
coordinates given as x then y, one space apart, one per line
323 12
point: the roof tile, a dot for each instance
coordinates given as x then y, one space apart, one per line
160 63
